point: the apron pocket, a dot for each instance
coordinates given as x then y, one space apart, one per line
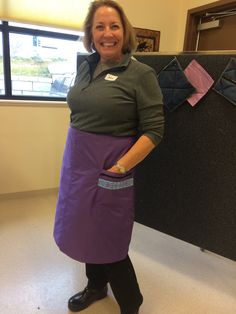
115 195
115 181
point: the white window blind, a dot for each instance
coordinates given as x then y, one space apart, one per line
58 13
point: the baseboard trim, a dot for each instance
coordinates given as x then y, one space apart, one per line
28 193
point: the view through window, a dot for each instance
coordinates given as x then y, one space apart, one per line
41 64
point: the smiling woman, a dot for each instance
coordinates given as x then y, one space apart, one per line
116 120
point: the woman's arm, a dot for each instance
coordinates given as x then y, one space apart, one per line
150 119
135 155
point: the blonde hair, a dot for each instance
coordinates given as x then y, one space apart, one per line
130 42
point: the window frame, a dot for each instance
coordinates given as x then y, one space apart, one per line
6 29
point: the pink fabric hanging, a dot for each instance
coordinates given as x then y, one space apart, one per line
200 79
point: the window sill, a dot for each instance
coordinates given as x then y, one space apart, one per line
32 103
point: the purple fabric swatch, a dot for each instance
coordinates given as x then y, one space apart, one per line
200 79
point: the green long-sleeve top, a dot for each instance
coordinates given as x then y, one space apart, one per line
124 100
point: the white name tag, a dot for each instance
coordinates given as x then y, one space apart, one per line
110 77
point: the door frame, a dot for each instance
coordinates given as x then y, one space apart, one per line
193 17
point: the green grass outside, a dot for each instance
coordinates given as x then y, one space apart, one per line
27 67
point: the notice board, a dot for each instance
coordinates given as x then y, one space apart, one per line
186 187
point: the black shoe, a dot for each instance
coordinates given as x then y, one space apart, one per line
83 299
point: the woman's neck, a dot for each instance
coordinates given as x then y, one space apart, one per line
111 62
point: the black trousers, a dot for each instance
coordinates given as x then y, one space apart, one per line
122 279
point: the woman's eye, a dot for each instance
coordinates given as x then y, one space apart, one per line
115 26
99 27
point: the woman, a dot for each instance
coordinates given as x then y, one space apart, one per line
116 120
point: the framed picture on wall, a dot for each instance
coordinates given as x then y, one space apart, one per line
148 40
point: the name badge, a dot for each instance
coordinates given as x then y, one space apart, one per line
110 77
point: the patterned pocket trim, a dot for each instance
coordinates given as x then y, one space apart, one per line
109 185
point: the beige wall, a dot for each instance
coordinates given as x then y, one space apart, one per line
32 136
168 16
154 14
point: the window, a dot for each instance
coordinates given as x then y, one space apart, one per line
38 63
2 85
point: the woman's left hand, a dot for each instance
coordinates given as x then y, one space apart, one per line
113 169
137 153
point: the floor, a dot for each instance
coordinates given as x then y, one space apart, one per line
35 277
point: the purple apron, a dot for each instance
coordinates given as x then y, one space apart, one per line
95 209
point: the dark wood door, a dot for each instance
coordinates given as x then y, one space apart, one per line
222 38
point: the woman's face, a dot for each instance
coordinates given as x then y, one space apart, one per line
108 34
